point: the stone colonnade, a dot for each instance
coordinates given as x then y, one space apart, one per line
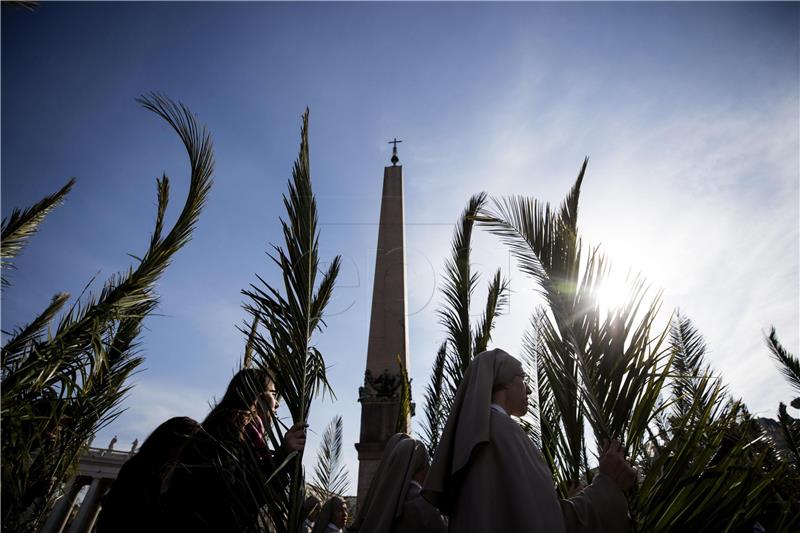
97 468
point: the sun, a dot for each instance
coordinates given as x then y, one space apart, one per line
612 293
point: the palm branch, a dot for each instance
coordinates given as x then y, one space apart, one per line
463 340
330 474
558 377
558 437
532 422
703 478
458 284
547 249
608 367
708 469
287 321
790 429
247 358
789 426
405 411
604 366
689 369
434 402
496 301
789 364
60 385
22 224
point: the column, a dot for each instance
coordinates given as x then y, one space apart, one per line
58 516
90 507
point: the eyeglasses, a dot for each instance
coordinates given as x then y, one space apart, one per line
526 380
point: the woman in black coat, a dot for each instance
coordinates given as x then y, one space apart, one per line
220 482
134 501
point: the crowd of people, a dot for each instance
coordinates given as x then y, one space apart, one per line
485 475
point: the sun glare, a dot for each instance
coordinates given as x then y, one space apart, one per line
612 293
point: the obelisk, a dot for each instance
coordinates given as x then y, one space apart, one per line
388 335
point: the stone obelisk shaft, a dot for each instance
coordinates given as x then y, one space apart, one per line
388 335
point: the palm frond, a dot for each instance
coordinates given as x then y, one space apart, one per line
789 364
458 285
434 402
531 352
598 362
403 423
707 474
22 224
463 339
790 429
14 348
288 319
247 359
547 248
560 407
569 208
496 301
544 242
608 367
690 369
555 434
58 390
330 474
506 221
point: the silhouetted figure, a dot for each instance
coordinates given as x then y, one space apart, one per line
311 508
134 445
220 483
134 501
363 507
332 517
112 443
397 506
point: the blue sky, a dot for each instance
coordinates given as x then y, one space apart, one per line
688 112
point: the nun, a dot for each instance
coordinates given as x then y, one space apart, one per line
363 508
310 512
487 475
332 517
397 506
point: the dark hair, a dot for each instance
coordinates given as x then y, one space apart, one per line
244 390
166 441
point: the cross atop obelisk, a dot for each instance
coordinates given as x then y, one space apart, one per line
394 159
388 336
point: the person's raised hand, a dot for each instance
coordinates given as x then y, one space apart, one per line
615 466
295 438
